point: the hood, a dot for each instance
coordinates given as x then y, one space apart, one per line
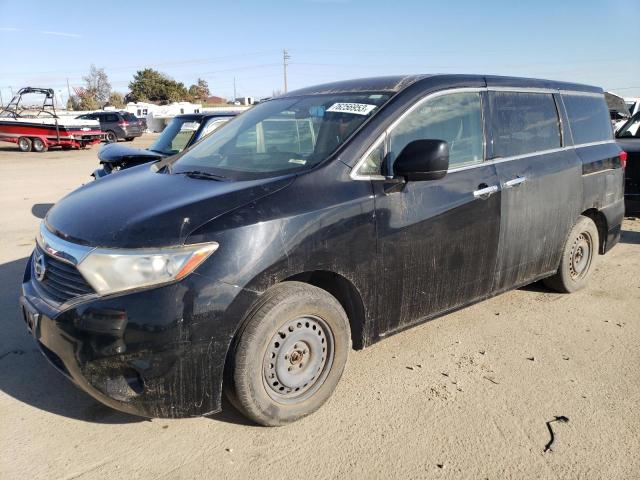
139 207
114 153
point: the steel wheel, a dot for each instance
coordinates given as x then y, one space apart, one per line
578 257
39 145
24 144
581 255
289 355
298 359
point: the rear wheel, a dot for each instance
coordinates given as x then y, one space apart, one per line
25 144
290 355
578 257
39 145
111 137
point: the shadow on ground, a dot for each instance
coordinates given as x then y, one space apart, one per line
39 210
26 375
29 378
629 236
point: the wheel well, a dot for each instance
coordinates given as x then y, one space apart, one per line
601 224
346 293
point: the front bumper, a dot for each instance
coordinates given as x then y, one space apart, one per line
154 353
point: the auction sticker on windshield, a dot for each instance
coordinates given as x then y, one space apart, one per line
189 126
357 108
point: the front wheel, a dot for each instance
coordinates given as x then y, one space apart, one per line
290 355
578 257
25 144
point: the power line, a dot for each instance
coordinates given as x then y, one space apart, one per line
285 58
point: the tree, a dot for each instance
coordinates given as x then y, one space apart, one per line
151 85
82 100
116 100
97 85
88 103
200 91
73 103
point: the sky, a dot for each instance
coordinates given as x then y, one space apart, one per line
45 43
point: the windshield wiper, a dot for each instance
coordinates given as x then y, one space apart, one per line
201 174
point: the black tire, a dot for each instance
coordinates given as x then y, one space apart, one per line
290 354
38 145
25 144
578 258
111 137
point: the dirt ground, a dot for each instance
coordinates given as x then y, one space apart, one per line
465 396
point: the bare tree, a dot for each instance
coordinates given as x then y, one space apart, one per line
97 85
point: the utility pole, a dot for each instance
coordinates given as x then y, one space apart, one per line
234 89
68 90
285 59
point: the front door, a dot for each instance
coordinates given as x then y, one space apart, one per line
437 239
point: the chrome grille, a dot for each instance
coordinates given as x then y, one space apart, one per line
62 281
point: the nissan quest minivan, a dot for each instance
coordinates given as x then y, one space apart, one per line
330 217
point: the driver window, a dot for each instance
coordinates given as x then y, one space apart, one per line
455 118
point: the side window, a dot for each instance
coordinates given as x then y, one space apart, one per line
109 118
523 123
455 118
588 117
213 125
372 164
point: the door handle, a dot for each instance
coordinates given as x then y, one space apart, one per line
485 191
514 182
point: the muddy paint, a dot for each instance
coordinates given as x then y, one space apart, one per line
393 257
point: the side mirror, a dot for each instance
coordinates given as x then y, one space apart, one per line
423 160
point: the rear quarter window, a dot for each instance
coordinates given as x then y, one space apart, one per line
588 118
523 123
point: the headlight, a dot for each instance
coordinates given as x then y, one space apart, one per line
113 270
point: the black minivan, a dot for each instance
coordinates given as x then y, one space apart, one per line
332 216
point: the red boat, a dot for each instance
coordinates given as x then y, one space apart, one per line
40 128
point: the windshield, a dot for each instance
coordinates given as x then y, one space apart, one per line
175 137
631 129
281 136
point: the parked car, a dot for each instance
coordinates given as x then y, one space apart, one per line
117 125
182 132
331 216
628 137
633 104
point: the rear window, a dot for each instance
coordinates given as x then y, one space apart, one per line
588 117
523 123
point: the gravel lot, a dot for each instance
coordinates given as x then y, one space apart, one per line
464 396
